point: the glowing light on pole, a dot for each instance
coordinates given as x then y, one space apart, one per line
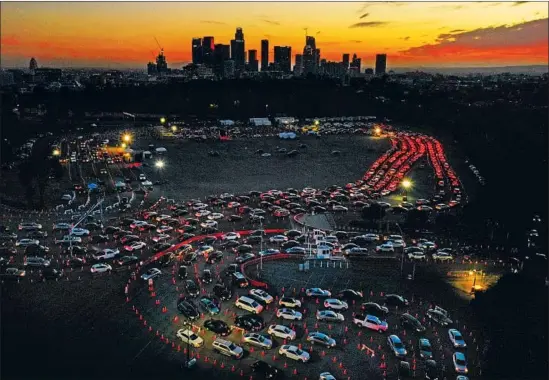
127 138
56 152
406 184
174 128
159 164
377 130
162 120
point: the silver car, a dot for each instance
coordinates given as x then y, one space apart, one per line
329 316
257 340
293 352
318 337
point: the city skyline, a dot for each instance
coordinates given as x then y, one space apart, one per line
411 34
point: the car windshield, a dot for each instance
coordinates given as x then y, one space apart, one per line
457 336
397 344
193 336
298 352
460 362
232 346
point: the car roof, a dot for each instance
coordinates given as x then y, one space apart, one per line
459 355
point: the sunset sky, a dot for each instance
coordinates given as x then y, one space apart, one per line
121 35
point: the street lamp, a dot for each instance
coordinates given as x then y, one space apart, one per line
159 164
406 184
377 130
123 145
127 138
162 120
56 152
174 128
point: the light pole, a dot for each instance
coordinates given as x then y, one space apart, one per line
406 184
261 245
159 165
402 256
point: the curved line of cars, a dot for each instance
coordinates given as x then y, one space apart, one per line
373 318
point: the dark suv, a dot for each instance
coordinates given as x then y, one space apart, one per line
408 320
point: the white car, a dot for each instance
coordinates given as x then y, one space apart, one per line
339 208
231 236
137 224
416 255
248 304
67 239
201 213
293 352
233 205
215 216
398 243
289 302
281 331
257 340
26 242
317 292
164 229
456 338
289 314
442 256
278 239
188 336
262 295
136 245
106 254
335 304
385 247
151 273
80 232
371 237
161 237
326 376
199 206
427 245
100 268
209 224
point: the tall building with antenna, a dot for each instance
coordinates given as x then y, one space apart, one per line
161 63
238 50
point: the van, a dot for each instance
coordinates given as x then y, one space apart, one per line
248 304
239 280
227 348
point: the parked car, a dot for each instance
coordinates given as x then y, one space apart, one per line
258 340
396 345
329 316
281 331
190 337
249 322
456 338
150 274
227 348
217 326
293 352
323 339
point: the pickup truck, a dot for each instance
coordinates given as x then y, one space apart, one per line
68 238
371 322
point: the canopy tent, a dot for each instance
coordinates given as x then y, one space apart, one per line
161 150
260 122
287 135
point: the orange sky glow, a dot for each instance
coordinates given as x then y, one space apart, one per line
121 35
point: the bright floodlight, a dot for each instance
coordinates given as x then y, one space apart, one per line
174 128
162 120
377 130
317 122
159 164
127 138
123 145
406 184
56 152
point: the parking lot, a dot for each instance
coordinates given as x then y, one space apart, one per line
75 293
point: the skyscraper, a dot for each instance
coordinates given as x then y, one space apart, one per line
33 65
264 55
311 56
197 51
237 50
298 67
354 67
283 58
208 47
381 64
222 53
253 63
161 63
345 61
151 68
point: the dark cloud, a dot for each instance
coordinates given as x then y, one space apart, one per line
482 39
364 15
369 24
517 3
405 38
213 22
365 6
355 41
271 22
457 30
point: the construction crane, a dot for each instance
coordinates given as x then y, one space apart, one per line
306 31
160 47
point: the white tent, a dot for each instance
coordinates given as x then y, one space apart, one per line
226 123
260 122
160 150
287 135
